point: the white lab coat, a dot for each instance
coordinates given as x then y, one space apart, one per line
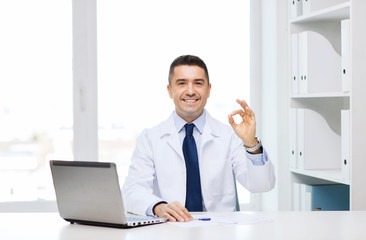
158 171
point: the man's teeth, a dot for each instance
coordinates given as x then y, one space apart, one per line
190 101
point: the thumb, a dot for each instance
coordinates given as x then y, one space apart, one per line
231 121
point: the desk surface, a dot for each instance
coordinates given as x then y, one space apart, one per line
284 225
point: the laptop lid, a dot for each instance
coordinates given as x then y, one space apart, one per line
89 192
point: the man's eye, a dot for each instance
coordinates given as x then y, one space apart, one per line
181 83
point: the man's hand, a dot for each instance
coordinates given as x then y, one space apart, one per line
173 211
247 127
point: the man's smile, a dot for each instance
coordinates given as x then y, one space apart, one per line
190 100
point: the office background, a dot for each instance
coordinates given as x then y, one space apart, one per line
72 91
101 75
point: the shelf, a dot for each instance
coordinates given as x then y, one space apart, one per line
325 17
323 103
321 95
328 175
334 13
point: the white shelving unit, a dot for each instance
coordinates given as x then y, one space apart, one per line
312 147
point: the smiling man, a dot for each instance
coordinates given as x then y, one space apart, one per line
189 162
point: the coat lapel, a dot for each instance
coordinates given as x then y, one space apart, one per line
169 132
173 141
209 133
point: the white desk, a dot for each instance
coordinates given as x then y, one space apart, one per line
284 225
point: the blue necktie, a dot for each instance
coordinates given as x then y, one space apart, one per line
193 193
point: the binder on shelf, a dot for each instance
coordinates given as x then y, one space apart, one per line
306 7
319 147
309 6
296 197
332 197
294 64
305 195
301 197
300 138
296 8
345 139
346 58
293 138
319 64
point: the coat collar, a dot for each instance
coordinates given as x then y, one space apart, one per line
169 131
168 127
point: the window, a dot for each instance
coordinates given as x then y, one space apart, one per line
137 41
35 95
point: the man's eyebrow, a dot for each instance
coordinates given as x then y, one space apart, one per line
180 80
184 80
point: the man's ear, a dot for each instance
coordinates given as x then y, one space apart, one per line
168 87
209 90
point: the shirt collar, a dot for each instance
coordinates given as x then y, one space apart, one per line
199 122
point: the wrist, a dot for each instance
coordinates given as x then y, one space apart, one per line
254 148
157 207
252 143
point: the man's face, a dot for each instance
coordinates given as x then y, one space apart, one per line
189 90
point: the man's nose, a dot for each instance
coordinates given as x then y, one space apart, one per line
190 89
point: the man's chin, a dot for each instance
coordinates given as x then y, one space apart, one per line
190 114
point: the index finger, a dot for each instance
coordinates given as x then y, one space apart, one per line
243 104
179 211
185 211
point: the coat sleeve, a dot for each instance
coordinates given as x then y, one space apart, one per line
138 188
255 178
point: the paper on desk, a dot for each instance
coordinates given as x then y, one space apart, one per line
224 219
195 223
239 218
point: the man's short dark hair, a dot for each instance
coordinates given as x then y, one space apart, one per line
188 60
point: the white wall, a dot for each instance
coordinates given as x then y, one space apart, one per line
85 80
270 92
283 104
31 206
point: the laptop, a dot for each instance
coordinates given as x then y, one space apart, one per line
89 193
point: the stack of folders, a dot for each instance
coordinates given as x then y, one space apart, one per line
333 197
316 66
346 51
328 150
318 144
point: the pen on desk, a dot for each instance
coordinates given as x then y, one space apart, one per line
204 219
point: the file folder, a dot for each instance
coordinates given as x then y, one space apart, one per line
296 8
300 138
296 197
319 146
306 7
345 136
332 197
346 66
319 64
294 63
293 138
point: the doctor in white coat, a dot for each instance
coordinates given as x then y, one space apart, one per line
156 182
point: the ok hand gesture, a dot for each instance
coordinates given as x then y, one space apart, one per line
247 127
